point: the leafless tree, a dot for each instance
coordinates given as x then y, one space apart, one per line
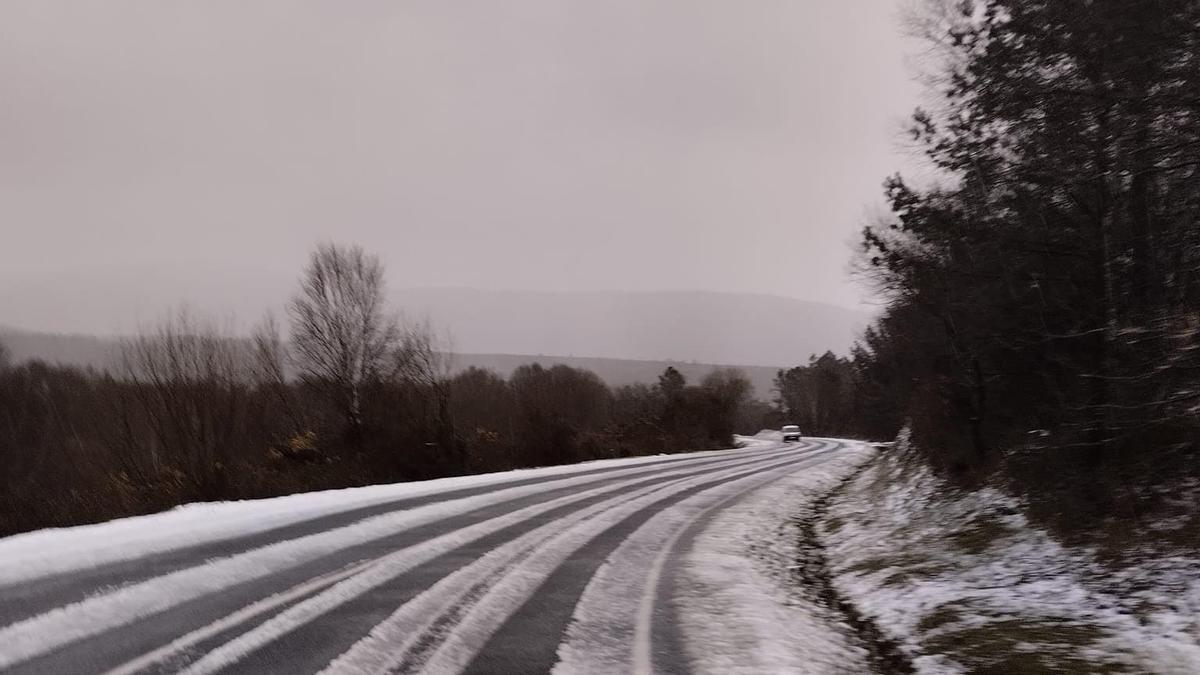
342 335
270 352
420 359
191 384
269 368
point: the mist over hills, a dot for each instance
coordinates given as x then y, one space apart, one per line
103 353
618 372
624 338
85 351
723 328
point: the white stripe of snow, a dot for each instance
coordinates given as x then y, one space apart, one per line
611 627
245 614
388 643
38 635
385 568
739 609
643 659
482 620
43 553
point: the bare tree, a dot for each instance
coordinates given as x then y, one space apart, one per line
419 360
269 368
342 334
419 357
5 356
191 384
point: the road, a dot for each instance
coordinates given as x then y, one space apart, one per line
525 573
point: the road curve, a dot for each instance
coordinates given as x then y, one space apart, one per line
533 573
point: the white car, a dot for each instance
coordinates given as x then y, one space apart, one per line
791 432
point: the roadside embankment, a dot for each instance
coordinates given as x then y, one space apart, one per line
961 582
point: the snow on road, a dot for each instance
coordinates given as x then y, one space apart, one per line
58 550
704 561
736 605
44 633
745 613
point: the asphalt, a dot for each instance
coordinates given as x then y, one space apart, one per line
527 640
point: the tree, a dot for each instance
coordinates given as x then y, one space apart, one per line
818 397
1050 280
724 392
671 382
555 406
672 386
269 371
482 404
342 334
419 362
191 381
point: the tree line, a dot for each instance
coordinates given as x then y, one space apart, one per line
1043 291
340 393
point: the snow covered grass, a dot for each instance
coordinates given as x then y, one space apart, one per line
740 606
964 583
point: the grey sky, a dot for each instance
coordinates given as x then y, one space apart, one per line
154 152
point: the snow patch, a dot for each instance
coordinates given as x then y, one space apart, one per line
964 582
740 608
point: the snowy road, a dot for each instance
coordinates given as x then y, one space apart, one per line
571 569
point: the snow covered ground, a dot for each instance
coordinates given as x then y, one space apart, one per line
964 583
738 590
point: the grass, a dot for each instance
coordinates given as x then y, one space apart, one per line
942 536
1017 645
979 534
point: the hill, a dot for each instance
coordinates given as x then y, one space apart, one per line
617 372
87 351
759 330
102 353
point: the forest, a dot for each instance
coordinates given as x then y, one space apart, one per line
1042 323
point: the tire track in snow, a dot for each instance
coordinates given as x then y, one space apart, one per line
46 633
416 631
529 638
65 579
727 604
240 603
634 576
381 572
613 624
246 614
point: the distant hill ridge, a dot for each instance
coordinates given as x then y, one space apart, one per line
617 372
627 337
102 353
707 327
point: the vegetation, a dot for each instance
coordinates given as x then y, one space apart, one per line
1042 320
1044 292
820 397
195 413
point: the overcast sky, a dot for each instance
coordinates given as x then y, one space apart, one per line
155 152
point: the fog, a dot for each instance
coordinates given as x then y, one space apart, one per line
157 153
